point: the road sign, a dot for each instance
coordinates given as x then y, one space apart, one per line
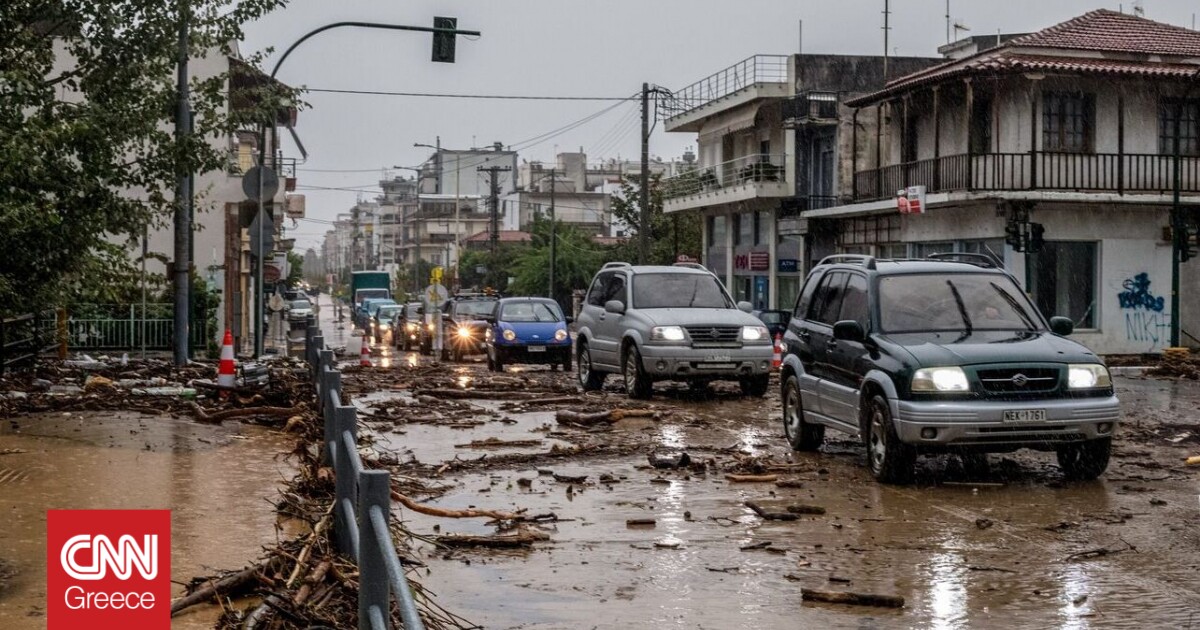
435 294
271 273
270 184
268 234
436 275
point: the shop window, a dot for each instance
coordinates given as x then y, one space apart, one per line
891 250
716 231
762 227
1064 281
1068 122
745 226
738 220
922 250
993 247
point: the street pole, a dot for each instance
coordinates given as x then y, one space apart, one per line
258 271
183 199
1177 226
553 233
457 224
644 193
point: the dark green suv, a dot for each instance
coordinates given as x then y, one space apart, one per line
944 354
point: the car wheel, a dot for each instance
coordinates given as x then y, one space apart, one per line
891 460
755 386
801 435
1085 460
590 380
637 383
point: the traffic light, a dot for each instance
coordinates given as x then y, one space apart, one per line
1036 240
443 43
1187 238
1012 235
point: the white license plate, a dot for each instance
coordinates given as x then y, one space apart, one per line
1025 415
537 348
717 358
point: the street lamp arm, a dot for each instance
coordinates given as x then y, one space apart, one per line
391 27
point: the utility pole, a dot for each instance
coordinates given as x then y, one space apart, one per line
644 193
183 198
494 202
553 233
886 29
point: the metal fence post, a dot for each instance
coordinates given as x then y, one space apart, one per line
374 491
333 383
345 494
318 342
132 318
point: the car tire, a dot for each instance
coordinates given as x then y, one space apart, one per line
755 386
801 435
490 363
1084 461
890 460
566 360
637 383
590 380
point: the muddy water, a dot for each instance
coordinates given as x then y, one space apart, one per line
984 551
218 481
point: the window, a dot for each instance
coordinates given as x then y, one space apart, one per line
806 297
530 312
762 227
922 250
993 247
678 290
981 125
1064 281
854 303
745 228
1068 122
954 302
716 231
595 295
615 289
828 303
737 229
1188 132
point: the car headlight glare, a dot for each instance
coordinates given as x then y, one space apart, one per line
509 335
430 327
560 334
411 327
667 333
1088 376
940 379
385 326
464 333
755 333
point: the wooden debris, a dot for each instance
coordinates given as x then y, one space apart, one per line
751 478
789 483
570 478
429 510
221 416
640 522
853 599
805 509
493 442
769 515
523 538
221 588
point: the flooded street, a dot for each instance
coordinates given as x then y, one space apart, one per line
219 481
1012 546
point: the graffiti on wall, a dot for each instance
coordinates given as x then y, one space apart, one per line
1145 321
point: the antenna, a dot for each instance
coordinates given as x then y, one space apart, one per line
947 21
959 26
1138 9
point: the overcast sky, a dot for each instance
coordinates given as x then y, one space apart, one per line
603 48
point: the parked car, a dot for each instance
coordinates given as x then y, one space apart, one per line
415 331
775 321
299 310
383 321
463 316
651 323
527 330
946 354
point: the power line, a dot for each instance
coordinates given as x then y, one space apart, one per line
509 97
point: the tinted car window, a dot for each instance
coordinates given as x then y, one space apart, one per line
806 296
959 302
771 317
595 295
678 290
854 303
615 289
828 301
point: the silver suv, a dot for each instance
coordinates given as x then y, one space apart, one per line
668 323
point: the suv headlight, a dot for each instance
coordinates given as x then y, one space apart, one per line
1088 376
667 333
510 334
940 379
560 334
755 333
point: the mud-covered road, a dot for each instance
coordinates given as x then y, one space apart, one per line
1016 546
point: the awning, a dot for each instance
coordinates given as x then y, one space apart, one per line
738 120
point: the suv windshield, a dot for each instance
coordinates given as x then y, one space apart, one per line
387 311
963 302
475 307
529 312
301 304
678 290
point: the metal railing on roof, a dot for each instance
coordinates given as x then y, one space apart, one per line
745 73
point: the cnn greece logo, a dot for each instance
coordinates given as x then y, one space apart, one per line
108 569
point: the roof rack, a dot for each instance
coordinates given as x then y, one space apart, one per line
690 265
982 260
862 259
612 265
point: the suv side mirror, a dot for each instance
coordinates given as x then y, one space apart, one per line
849 330
569 320
615 306
1062 326
745 306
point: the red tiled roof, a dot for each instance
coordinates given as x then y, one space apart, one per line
1101 30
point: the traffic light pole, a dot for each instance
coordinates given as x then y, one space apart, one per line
1178 230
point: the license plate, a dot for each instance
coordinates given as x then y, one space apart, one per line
537 348
1025 415
717 358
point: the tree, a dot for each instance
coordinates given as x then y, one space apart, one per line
579 258
481 269
87 93
670 234
295 270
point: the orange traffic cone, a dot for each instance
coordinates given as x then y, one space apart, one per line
365 358
226 369
777 358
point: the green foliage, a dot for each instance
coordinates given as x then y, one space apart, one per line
479 269
670 234
578 259
87 95
295 270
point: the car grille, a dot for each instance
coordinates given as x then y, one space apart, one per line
1019 380
714 336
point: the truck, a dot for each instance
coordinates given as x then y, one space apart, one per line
369 284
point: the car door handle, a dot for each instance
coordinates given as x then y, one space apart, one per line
601 318
803 334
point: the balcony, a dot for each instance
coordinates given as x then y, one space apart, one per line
1128 173
748 177
811 108
760 76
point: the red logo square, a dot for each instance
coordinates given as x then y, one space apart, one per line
108 569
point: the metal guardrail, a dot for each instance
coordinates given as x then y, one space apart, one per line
362 499
127 327
756 167
22 340
756 69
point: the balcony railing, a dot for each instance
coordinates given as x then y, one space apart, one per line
811 108
757 167
1073 172
756 69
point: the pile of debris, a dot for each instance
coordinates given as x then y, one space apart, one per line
1178 363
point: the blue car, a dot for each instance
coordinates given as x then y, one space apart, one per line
527 330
